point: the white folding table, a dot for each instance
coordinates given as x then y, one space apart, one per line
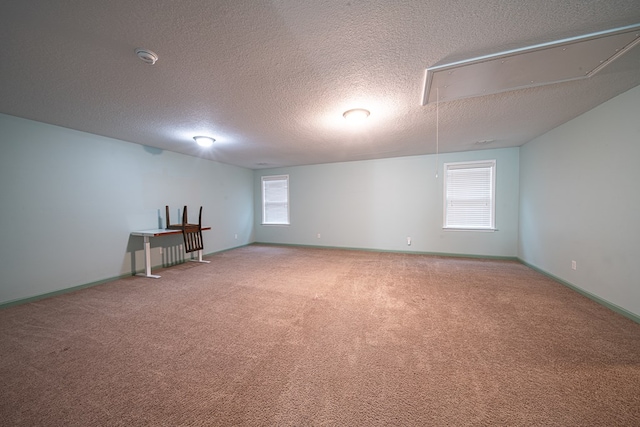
159 232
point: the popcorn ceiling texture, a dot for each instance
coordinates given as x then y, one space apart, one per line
270 80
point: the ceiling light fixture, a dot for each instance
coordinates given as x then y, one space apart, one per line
356 114
204 141
147 56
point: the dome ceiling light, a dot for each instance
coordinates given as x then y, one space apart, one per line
204 141
356 114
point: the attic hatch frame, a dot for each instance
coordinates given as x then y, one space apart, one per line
475 73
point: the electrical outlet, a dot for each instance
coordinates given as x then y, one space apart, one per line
236 237
408 241
319 235
574 265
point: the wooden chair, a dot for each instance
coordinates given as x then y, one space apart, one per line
192 233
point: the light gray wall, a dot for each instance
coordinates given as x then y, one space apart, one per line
70 200
377 204
580 200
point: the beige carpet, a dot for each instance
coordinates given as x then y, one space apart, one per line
280 336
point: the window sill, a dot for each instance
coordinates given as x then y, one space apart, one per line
482 230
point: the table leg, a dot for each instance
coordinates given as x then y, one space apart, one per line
200 258
147 260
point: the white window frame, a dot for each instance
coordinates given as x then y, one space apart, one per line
265 203
447 202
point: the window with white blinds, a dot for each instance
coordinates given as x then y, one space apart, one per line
275 200
469 195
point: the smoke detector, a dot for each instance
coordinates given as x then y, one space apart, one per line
147 56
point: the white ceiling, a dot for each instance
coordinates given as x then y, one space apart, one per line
270 79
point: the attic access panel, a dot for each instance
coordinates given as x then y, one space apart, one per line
559 61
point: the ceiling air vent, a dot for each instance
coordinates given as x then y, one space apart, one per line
559 61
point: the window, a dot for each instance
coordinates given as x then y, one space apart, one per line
469 195
275 199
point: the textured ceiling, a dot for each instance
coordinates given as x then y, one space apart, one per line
270 79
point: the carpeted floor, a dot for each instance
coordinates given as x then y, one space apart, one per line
286 336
